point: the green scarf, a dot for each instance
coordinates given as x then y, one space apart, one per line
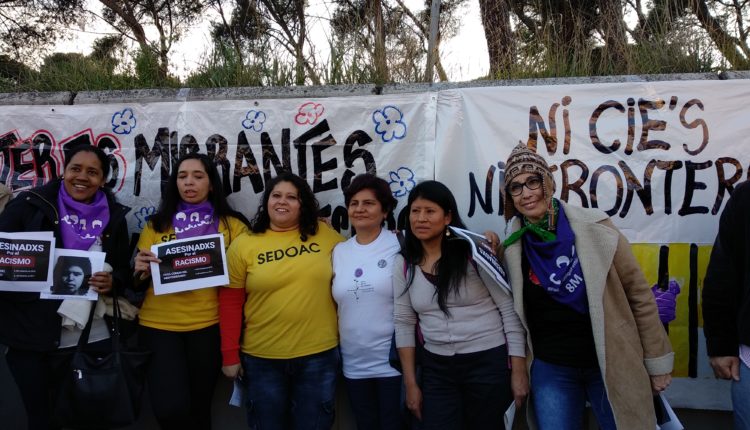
540 228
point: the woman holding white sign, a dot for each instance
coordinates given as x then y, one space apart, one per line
280 287
473 364
591 317
83 215
182 328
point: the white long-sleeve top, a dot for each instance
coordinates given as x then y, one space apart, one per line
479 319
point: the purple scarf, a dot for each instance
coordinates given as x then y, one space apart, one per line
557 266
81 223
194 220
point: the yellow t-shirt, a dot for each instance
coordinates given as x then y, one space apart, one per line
186 310
289 311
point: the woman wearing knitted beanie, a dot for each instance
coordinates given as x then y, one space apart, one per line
590 317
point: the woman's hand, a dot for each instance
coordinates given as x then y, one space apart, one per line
233 371
519 380
493 239
143 261
660 383
726 367
101 282
414 400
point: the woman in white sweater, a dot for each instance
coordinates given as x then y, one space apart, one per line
470 328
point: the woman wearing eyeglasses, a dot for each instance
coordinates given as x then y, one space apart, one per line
590 317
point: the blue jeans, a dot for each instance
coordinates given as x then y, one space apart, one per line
465 391
296 393
741 399
559 395
376 403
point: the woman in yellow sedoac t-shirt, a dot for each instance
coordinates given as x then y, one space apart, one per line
182 329
280 275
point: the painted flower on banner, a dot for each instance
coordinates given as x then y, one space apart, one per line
309 113
254 120
143 215
123 122
389 123
401 181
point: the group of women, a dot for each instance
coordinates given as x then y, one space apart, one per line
303 304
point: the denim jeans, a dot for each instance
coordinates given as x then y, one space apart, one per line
559 395
741 399
296 393
465 391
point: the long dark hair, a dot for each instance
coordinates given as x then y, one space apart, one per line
308 215
454 253
161 221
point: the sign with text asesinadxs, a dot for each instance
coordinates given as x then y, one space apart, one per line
190 264
25 261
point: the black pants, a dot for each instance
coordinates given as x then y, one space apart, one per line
376 403
182 375
33 373
465 391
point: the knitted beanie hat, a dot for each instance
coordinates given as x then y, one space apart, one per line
524 160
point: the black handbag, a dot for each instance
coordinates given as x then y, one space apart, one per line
99 389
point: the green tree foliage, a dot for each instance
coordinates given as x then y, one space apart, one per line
577 37
170 18
396 50
268 42
27 26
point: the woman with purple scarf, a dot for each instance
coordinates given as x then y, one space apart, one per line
83 215
592 324
182 329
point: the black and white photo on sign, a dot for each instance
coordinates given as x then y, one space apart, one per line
26 261
189 264
71 274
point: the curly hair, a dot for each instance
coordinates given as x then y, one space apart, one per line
308 216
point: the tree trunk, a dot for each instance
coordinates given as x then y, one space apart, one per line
725 43
381 65
501 42
299 46
615 57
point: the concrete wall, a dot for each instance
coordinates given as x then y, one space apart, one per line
250 93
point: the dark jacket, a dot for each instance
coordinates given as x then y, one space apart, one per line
726 288
26 321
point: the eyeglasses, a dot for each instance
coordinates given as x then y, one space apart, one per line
532 183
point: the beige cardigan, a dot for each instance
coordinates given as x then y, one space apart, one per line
630 341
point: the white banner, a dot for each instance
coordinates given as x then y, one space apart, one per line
326 141
658 157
